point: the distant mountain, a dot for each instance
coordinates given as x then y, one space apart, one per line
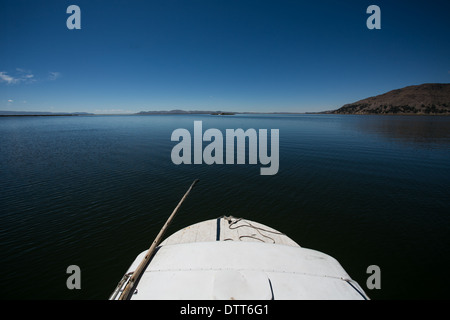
42 113
424 99
184 112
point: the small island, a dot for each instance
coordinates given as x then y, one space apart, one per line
223 113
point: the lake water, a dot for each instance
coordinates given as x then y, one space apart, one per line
94 191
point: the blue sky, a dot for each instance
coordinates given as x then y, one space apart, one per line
231 55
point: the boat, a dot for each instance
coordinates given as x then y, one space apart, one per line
230 258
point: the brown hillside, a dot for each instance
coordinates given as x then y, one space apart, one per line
429 98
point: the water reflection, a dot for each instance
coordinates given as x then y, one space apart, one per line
423 131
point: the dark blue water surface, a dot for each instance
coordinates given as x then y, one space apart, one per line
93 191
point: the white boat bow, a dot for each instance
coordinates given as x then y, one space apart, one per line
230 258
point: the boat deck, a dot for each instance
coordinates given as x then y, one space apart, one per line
232 258
229 229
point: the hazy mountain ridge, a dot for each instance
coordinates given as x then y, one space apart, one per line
42 113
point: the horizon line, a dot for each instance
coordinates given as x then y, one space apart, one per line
173 111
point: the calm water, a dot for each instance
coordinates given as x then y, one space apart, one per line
94 192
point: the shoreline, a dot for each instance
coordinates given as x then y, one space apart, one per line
224 114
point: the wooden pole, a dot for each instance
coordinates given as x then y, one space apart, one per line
141 267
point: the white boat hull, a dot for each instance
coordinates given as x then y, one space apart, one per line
229 258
